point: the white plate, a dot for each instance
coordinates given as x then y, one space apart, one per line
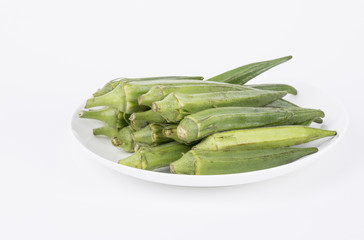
308 96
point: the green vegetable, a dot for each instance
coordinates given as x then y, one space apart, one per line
243 74
281 103
207 122
136 125
155 157
267 137
151 135
176 106
170 131
111 116
147 116
274 87
125 95
199 162
124 139
113 83
106 131
157 93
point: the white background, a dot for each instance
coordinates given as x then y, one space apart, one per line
54 54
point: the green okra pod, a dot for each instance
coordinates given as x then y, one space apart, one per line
170 131
243 74
137 125
282 103
124 139
108 87
106 130
149 116
266 137
176 106
200 162
111 116
157 93
201 124
151 135
275 87
155 157
125 95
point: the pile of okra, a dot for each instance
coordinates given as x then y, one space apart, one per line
202 127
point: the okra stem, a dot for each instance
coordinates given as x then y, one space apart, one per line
155 157
151 135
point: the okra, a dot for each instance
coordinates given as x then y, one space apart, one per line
106 131
207 122
282 103
275 87
170 131
124 139
111 116
113 83
136 125
148 116
200 162
243 74
125 96
176 106
155 157
259 138
151 135
157 93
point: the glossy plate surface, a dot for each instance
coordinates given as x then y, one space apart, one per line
308 96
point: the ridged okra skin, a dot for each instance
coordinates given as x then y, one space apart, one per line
108 87
282 103
106 131
260 138
275 87
157 93
243 74
199 162
111 116
176 106
150 158
137 125
124 139
125 95
151 135
199 125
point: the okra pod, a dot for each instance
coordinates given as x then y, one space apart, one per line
207 122
259 138
106 131
125 95
157 93
151 135
200 162
176 106
113 83
155 157
136 125
170 131
275 87
124 139
243 74
111 116
148 116
282 103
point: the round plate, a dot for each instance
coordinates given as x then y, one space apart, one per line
308 96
